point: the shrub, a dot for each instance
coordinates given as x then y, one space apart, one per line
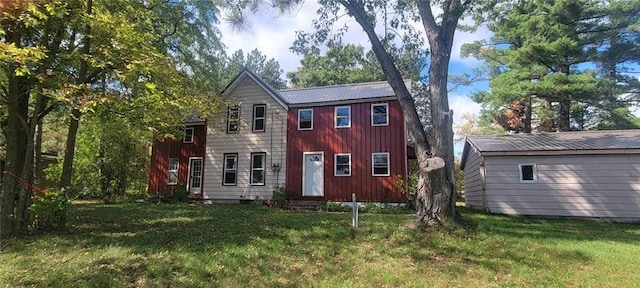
49 211
280 196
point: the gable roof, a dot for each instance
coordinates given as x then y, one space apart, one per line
559 143
345 92
264 85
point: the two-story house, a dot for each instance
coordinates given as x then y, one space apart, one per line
322 143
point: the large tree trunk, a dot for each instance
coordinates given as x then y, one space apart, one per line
527 116
435 201
564 115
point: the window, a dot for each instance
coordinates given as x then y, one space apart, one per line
343 117
259 116
230 169
342 165
380 164
188 135
528 173
233 119
173 171
305 119
258 161
379 114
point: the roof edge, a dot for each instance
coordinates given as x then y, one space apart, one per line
264 85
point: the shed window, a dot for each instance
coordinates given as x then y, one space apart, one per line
342 165
380 164
257 168
173 171
343 117
528 173
188 135
233 119
230 169
305 119
379 114
259 115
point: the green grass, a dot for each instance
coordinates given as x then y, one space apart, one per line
151 245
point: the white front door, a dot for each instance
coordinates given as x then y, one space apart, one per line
313 174
195 175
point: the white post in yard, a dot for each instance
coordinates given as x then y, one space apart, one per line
354 208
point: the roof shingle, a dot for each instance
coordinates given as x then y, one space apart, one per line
344 92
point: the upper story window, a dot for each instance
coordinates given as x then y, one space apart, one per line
173 171
188 135
258 162
233 119
343 116
305 119
259 116
342 164
528 173
379 114
380 164
230 171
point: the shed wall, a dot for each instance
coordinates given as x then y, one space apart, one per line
272 141
606 186
473 179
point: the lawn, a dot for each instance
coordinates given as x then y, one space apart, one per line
152 245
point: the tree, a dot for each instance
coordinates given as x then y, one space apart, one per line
268 70
541 70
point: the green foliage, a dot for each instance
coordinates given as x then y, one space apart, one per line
280 196
179 194
49 211
268 70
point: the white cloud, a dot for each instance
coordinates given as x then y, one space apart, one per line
460 105
273 34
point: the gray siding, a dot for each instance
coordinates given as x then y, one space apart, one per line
605 186
272 141
473 180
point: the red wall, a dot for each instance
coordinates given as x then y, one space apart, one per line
161 151
361 140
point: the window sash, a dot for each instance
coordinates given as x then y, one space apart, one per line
172 174
381 167
233 119
340 167
188 135
302 122
230 172
342 116
379 118
259 120
528 173
258 163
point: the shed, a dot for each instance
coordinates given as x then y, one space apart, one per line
575 174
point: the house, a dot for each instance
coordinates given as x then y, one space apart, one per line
321 143
576 174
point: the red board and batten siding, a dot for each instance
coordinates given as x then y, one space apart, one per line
361 140
161 151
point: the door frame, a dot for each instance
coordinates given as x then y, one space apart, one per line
304 154
189 174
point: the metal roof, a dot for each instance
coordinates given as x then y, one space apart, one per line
344 92
560 141
245 72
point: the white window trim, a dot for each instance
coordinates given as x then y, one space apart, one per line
300 110
335 116
263 169
184 139
189 174
373 164
335 164
263 118
535 173
229 119
176 171
224 170
386 114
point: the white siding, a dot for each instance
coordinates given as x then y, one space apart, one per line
473 180
605 186
272 141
